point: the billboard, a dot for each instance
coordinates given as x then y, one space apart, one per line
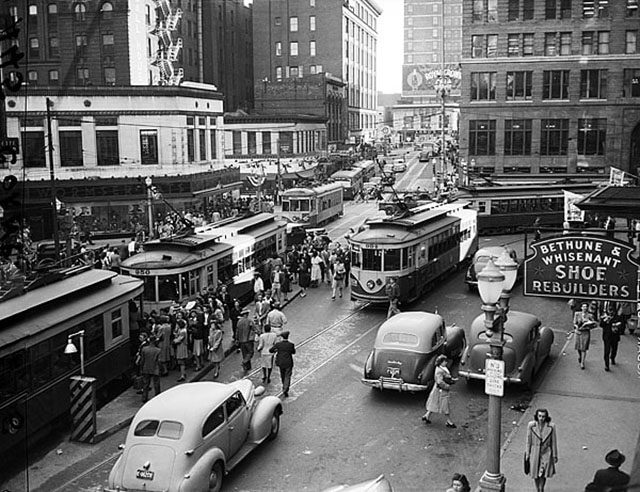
426 79
583 267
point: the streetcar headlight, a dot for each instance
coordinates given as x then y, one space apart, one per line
370 284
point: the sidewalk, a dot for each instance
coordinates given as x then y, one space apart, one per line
118 413
594 412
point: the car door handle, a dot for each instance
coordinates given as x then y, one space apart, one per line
231 427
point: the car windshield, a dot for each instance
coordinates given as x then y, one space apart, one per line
403 339
168 429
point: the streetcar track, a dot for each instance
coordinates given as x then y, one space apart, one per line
95 467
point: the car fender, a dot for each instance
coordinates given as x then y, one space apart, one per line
198 477
260 425
368 365
456 342
525 371
545 343
115 475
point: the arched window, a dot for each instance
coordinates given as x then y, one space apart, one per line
106 10
80 11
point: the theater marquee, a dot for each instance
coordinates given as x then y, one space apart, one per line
582 267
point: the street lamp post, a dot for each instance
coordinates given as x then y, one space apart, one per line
148 182
71 348
495 282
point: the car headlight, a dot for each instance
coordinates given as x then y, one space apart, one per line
370 284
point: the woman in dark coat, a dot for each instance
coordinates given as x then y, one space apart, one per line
541 448
304 277
285 285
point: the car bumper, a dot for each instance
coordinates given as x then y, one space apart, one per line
475 375
394 384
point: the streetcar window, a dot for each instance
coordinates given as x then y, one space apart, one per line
372 260
211 275
40 358
14 375
149 288
407 257
168 288
355 258
225 269
391 259
116 323
93 336
285 205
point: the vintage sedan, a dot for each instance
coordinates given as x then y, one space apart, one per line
406 346
480 260
186 438
526 346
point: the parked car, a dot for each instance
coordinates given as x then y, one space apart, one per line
480 260
527 345
399 166
186 438
380 484
405 349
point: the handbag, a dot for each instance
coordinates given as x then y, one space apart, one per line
527 465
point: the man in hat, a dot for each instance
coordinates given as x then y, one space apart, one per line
150 367
284 351
245 336
612 479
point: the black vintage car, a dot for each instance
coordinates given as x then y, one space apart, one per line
406 346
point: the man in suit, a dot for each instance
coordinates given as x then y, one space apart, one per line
150 367
284 351
245 336
612 479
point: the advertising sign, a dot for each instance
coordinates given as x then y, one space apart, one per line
571 211
582 266
425 79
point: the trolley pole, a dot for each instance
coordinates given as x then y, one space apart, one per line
52 179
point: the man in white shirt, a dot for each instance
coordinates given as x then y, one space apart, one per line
276 319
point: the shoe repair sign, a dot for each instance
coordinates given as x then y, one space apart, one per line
583 267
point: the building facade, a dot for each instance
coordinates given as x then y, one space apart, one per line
550 86
297 38
138 42
105 142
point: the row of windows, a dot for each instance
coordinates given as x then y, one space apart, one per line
79 12
487 10
555 85
554 137
108 41
294 72
293 48
555 44
293 23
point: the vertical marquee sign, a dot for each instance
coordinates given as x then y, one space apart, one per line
582 267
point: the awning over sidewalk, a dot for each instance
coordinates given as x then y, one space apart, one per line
616 201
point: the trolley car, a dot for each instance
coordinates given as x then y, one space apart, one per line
313 207
508 208
34 330
351 179
416 247
179 267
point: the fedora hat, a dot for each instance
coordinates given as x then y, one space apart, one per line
615 458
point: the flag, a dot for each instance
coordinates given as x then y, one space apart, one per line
617 177
256 181
571 212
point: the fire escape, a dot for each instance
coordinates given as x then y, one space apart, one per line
168 48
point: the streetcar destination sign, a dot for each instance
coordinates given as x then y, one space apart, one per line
583 267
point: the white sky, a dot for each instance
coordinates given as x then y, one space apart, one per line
390 48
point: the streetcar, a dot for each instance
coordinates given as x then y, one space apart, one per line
415 246
313 207
352 181
178 268
368 169
35 329
508 208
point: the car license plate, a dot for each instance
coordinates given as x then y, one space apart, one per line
144 474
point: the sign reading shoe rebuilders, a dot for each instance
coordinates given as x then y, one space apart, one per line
582 267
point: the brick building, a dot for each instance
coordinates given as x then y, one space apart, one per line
297 38
550 86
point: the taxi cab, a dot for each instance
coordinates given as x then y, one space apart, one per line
405 349
188 437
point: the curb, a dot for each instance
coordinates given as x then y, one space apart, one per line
100 436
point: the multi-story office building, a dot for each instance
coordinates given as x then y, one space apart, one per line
297 38
138 42
431 68
550 86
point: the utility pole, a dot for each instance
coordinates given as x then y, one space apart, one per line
443 92
52 179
